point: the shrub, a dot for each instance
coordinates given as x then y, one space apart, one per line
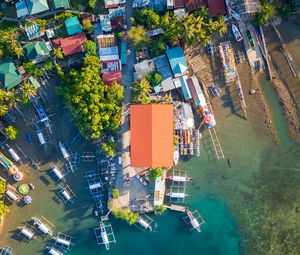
11 132
125 214
154 173
159 209
115 193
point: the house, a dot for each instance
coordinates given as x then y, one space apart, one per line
9 75
73 25
177 61
216 7
158 5
140 3
21 9
37 51
37 6
72 44
118 23
105 23
64 4
113 3
192 5
110 60
151 131
178 4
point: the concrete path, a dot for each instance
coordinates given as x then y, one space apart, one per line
128 192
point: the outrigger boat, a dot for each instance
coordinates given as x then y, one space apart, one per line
180 178
192 220
236 33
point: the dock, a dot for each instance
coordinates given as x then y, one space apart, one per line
178 208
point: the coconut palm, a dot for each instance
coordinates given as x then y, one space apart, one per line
3 109
222 26
28 91
11 98
2 95
141 90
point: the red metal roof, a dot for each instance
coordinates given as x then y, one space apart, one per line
72 44
109 77
192 89
151 134
216 7
192 5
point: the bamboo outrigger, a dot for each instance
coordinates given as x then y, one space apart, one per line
193 220
104 234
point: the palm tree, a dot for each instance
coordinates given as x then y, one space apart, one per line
222 26
28 91
11 98
141 91
3 109
2 95
58 53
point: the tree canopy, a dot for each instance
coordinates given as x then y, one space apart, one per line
95 107
11 132
266 13
87 26
138 36
125 214
141 90
90 47
154 173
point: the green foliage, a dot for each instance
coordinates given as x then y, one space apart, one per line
90 48
141 90
63 15
42 24
109 148
159 209
59 70
154 173
32 69
28 91
194 28
285 11
125 214
176 139
95 107
138 36
3 207
58 53
115 193
147 17
154 78
92 3
11 98
48 65
11 132
3 109
266 13
87 26
158 46
8 38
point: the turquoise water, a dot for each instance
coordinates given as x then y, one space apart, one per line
218 237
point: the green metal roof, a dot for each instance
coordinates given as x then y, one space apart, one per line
61 4
9 75
34 82
37 6
73 25
37 51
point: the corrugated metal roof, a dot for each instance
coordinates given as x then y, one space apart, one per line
21 9
216 7
177 61
185 88
73 25
151 135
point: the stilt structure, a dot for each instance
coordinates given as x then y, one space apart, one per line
41 114
69 167
178 176
57 174
193 220
43 226
177 194
95 186
144 223
66 194
26 232
53 251
63 241
6 250
88 156
104 234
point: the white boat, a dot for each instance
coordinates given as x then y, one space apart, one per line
194 222
177 195
236 33
180 178
176 157
104 236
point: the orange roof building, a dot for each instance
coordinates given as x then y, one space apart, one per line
151 128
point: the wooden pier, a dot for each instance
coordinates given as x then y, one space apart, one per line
178 208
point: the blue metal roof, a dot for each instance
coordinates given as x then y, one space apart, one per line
73 25
177 61
21 9
185 88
